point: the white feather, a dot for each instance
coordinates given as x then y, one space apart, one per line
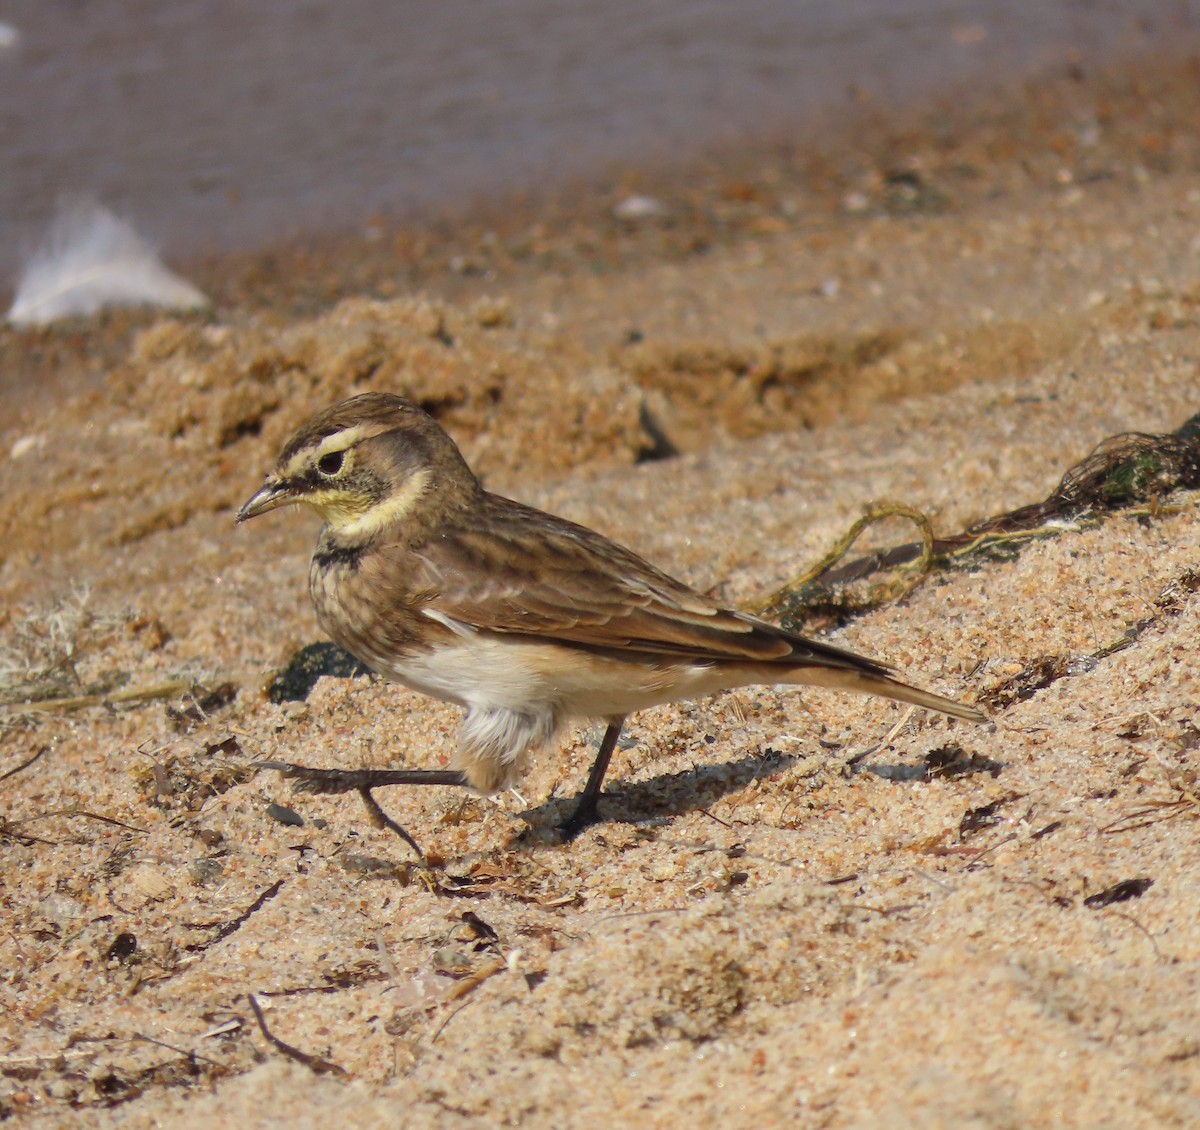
494 745
91 260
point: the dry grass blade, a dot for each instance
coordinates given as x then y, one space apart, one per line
44 648
1157 812
111 698
75 812
463 988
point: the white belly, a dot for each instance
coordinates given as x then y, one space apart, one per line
495 673
518 692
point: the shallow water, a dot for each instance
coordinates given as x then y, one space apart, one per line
218 124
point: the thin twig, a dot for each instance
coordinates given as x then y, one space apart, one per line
315 1063
24 764
181 1051
853 761
11 824
237 923
1154 813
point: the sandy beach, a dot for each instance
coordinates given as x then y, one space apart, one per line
803 908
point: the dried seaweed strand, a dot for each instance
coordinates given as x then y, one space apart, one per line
1125 476
896 590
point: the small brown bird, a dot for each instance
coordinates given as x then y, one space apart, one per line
522 618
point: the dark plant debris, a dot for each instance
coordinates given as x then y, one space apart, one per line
24 764
1048 830
203 704
227 747
947 761
1037 673
1118 892
1184 803
315 1063
115 1088
483 935
1044 670
1133 470
954 761
1170 602
985 816
296 681
185 781
231 927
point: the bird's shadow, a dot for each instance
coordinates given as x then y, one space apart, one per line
671 794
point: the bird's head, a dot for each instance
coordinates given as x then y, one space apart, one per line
368 463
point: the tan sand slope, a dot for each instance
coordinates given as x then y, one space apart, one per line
759 936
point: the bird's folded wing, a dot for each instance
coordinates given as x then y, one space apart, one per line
538 576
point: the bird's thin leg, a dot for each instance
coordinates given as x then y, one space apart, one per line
586 811
382 820
362 781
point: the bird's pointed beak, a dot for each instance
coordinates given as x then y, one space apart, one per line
272 495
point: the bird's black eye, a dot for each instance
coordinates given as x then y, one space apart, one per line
331 462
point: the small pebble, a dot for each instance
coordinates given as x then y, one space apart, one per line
285 815
206 871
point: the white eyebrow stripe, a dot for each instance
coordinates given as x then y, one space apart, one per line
337 441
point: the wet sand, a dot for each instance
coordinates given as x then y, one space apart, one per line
771 928
215 129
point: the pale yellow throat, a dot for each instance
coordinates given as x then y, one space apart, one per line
355 518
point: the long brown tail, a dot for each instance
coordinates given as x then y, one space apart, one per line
885 687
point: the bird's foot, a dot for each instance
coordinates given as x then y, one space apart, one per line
319 781
328 782
587 813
